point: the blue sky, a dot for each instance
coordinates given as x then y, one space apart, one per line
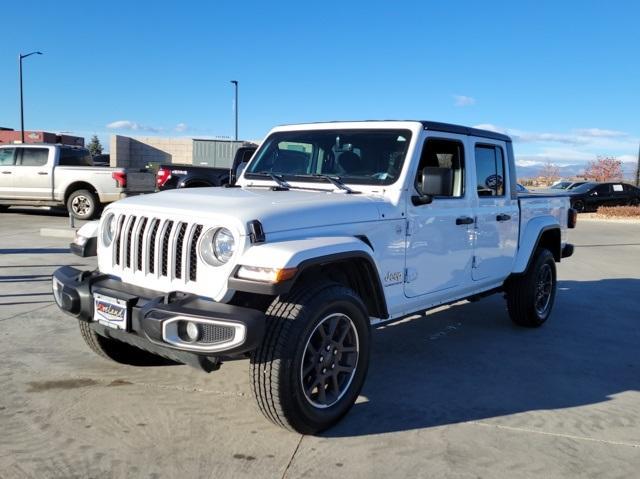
562 77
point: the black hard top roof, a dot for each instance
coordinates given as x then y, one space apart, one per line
463 130
432 125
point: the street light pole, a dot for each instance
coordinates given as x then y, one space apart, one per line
235 84
21 99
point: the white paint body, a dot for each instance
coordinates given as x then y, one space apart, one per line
422 257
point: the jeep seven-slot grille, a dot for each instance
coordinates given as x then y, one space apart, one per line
193 254
162 248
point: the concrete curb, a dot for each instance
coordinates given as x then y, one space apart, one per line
58 232
609 220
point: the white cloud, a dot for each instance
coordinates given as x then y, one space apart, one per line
131 125
600 133
462 100
490 127
628 158
181 127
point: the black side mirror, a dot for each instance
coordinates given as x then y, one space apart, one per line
435 182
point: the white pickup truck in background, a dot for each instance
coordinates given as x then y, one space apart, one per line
54 175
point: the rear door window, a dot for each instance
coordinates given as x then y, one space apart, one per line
602 190
489 170
75 157
7 156
33 156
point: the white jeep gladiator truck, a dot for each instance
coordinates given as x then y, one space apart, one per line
332 229
61 175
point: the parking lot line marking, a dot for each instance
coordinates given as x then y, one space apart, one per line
29 312
286 469
555 434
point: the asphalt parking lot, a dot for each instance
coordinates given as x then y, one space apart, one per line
462 393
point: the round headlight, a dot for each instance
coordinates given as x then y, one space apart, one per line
223 245
108 229
217 246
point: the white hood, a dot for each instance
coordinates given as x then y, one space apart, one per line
276 210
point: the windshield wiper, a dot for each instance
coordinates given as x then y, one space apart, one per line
277 179
334 180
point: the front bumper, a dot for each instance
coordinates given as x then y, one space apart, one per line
154 317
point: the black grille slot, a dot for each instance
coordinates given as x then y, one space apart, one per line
152 246
141 235
193 253
179 242
165 248
119 234
212 334
128 242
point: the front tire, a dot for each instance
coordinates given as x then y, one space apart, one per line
530 296
82 204
312 363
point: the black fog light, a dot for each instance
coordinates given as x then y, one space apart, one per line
189 331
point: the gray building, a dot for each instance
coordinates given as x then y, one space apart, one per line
141 150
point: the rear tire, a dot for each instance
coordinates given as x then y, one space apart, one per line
83 205
118 351
634 202
530 296
312 363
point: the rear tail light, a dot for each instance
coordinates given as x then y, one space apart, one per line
120 177
572 218
163 176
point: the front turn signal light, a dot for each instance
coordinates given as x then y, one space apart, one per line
266 275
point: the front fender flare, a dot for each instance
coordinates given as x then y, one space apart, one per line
303 254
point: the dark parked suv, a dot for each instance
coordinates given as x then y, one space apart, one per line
589 196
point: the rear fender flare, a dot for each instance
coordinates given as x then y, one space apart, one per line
532 236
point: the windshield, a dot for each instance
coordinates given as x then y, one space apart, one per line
583 188
371 157
561 186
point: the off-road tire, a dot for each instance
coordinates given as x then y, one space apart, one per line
118 351
522 291
276 366
83 205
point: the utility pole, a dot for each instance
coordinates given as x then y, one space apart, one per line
235 84
21 100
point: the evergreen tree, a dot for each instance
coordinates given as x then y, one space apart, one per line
94 146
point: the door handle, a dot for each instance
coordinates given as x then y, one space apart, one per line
6 172
464 220
503 217
42 173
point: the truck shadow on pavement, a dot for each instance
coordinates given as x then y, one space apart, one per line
470 363
33 250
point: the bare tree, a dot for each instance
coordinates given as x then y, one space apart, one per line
605 168
549 173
